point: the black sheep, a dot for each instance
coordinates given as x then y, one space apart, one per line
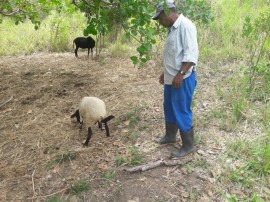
82 42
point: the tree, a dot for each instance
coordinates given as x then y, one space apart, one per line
34 10
133 16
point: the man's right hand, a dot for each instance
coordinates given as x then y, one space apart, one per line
161 79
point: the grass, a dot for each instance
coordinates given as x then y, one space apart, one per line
56 33
253 198
61 159
120 50
109 175
79 187
225 31
133 157
55 199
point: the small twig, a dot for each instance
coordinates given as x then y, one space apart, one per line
33 183
6 102
49 194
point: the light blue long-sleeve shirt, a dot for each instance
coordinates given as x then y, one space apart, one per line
180 46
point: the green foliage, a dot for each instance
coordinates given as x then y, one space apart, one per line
253 198
221 40
119 50
62 158
109 175
134 16
79 187
134 157
199 10
56 33
261 158
20 10
255 153
238 108
257 33
55 199
119 160
134 116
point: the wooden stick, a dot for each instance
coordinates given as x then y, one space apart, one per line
158 163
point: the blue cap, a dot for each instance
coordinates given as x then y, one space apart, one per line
160 9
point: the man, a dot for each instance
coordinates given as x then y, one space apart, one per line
179 77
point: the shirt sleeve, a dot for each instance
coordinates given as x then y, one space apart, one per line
189 42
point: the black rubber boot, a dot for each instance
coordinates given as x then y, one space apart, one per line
170 136
187 144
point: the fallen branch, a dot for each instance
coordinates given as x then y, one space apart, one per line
158 163
6 102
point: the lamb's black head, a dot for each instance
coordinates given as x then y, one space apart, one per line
77 115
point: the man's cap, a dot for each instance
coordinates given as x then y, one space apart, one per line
160 8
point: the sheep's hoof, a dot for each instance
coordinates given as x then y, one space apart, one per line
85 145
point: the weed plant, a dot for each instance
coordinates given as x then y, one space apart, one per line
61 159
134 157
79 187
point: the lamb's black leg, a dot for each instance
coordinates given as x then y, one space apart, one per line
76 51
99 125
88 51
107 129
80 126
89 135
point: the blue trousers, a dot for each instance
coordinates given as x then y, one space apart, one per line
177 103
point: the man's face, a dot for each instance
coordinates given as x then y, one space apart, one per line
164 20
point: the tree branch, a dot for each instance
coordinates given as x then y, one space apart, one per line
151 165
10 14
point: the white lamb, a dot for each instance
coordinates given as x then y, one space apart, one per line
92 110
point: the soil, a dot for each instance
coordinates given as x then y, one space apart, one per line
39 92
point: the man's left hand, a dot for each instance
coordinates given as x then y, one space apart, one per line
177 80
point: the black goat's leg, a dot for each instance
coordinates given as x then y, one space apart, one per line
88 51
76 51
89 135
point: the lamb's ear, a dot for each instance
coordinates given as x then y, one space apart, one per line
77 115
107 119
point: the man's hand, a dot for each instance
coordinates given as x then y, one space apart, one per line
161 79
177 80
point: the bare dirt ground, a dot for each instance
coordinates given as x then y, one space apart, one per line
35 129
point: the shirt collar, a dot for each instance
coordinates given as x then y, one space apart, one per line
178 21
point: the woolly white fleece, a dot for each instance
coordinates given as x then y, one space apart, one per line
92 109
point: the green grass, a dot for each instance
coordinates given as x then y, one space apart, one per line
55 199
79 187
61 159
133 157
136 157
222 40
253 198
56 33
109 175
120 50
